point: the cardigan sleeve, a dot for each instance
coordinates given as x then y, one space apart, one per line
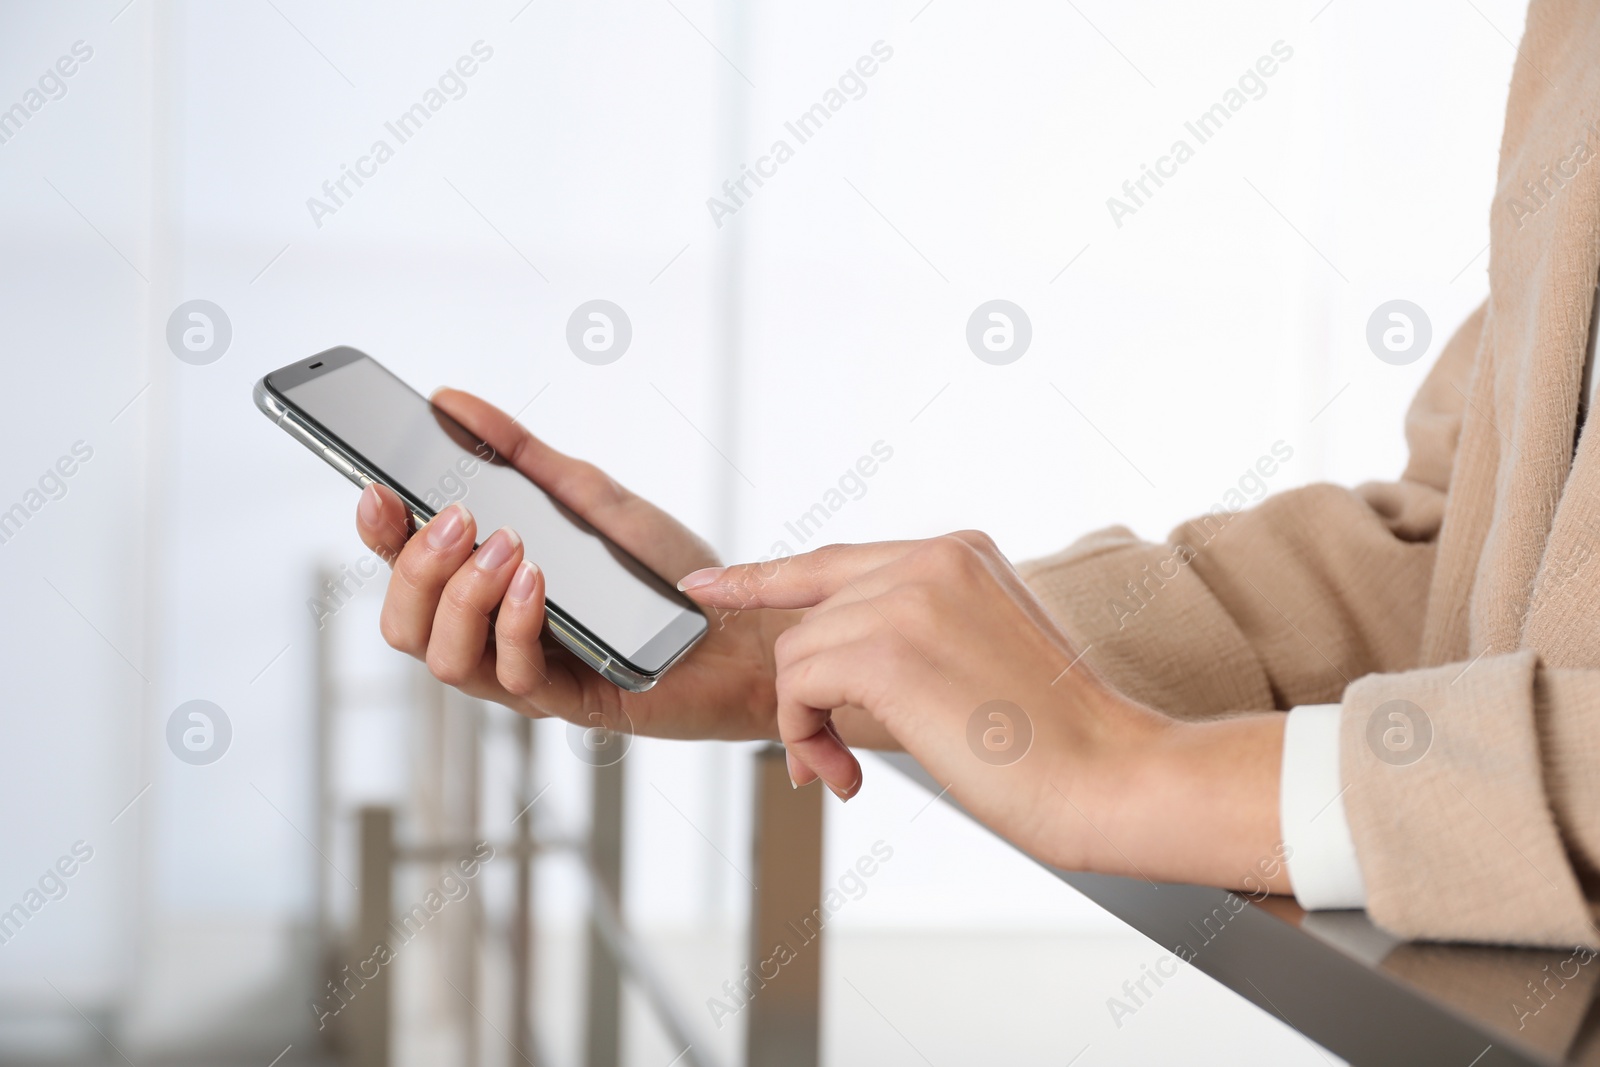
1473 800
1318 595
1279 605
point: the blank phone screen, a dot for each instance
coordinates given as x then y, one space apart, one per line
416 446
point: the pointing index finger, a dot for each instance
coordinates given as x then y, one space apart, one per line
792 582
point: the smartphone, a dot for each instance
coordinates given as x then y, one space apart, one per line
612 611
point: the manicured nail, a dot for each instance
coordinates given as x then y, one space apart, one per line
371 506
493 553
788 761
447 527
845 794
703 576
522 582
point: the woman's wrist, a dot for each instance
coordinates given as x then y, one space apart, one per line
1141 794
1199 804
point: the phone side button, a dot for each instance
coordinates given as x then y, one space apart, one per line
339 461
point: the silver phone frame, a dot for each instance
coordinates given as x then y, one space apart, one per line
568 631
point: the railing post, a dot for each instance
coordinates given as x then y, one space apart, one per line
369 1006
522 916
325 699
785 910
603 1045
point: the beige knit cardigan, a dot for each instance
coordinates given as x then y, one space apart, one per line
1470 587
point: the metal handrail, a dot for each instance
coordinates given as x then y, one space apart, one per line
783 1023
627 951
623 946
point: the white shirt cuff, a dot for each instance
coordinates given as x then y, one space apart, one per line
1321 855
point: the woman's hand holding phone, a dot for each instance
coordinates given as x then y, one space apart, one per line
441 601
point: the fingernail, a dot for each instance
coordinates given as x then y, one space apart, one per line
447 526
703 576
788 762
522 582
493 553
844 794
370 505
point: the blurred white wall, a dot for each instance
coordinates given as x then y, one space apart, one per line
828 313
